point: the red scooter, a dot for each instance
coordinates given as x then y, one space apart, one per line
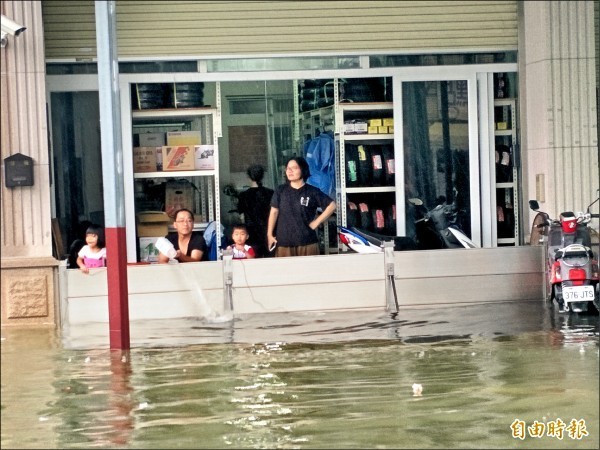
571 266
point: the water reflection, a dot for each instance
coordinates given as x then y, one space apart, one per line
307 380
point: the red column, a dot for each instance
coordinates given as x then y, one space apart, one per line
118 305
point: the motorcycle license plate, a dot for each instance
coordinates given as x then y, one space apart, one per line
578 293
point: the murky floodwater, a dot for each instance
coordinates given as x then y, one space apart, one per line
311 380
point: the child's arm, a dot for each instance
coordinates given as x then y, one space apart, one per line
81 265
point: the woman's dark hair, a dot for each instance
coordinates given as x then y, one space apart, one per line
256 173
302 164
98 231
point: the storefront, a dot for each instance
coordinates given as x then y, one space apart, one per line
261 66
443 126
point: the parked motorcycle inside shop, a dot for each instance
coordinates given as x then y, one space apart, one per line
435 229
571 265
438 227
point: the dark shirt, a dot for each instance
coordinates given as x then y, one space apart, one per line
197 242
297 209
255 204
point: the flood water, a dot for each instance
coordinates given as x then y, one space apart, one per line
492 376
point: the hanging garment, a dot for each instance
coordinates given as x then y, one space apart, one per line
319 153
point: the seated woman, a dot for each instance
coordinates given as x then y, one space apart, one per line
190 246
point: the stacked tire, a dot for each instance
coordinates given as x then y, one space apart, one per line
365 90
315 94
186 95
149 96
167 95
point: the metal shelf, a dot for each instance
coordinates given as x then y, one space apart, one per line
506 241
509 196
369 190
182 113
366 106
175 174
368 137
509 185
206 120
353 110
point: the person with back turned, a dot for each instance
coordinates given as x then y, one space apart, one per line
254 204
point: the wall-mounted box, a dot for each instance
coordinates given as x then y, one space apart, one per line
18 170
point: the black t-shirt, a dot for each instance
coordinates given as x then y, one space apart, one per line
197 242
297 209
255 204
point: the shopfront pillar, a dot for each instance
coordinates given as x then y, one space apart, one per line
558 92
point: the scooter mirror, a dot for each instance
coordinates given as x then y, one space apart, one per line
533 204
415 201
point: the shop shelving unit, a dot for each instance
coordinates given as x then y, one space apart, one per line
353 111
506 180
206 181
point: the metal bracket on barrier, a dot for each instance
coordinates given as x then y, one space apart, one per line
228 280
391 297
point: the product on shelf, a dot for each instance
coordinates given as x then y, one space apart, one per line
204 157
144 159
178 194
315 94
180 157
186 95
389 164
352 215
503 164
359 90
149 95
378 171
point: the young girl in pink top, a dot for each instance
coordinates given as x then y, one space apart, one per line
94 253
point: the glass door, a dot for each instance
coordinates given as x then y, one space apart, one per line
439 163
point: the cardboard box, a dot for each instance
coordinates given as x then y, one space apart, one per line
144 159
159 159
382 130
204 157
388 122
180 157
148 250
348 127
360 127
373 130
152 139
178 194
183 138
152 223
375 123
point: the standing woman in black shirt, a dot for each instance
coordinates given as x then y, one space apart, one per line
293 219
